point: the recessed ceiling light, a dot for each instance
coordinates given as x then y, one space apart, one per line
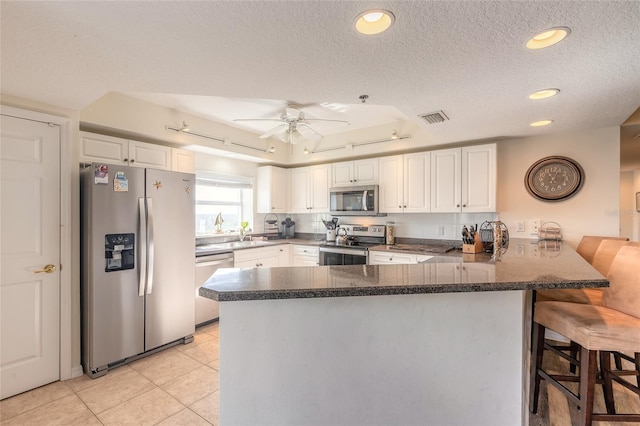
548 37
544 93
374 21
541 123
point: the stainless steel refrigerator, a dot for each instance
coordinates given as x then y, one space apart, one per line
137 262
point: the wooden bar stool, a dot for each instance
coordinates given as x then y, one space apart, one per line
589 244
600 260
613 326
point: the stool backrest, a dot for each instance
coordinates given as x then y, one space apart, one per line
589 245
606 252
623 293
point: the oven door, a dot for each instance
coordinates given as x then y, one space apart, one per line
343 256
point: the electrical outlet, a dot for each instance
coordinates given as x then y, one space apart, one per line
534 226
440 229
520 226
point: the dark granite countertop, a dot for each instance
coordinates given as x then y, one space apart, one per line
525 265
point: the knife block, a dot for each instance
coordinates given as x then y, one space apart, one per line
476 247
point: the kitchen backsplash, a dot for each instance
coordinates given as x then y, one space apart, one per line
440 226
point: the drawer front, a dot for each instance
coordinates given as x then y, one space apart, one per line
255 253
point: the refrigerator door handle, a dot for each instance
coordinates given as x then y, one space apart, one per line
150 244
143 246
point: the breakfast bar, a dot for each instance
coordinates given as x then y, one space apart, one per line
445 342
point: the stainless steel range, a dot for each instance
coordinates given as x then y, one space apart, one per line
356 249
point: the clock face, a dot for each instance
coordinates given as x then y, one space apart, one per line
554 178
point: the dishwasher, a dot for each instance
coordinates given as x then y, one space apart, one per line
207 309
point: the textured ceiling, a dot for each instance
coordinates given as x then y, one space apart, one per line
466 58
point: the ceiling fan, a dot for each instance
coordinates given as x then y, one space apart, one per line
293 127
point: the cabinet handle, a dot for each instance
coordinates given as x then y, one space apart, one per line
457 205
399 207
390 259
464 205
404 207
350 180
125 159
132 160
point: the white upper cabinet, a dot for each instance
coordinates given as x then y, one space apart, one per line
464 179
310 189
143 154
103 148
272 185
109 149
405 183
182 160
355 173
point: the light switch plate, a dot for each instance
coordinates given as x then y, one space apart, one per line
534 226
520 226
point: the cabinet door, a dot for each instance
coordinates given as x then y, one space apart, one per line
272 185
143 154
479 178
182 161
365 172
391 184
445 181
284 255
280 190
99 148
300 190
417 183
319 188
269 262
342 174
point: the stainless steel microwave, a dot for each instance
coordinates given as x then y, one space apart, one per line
354 201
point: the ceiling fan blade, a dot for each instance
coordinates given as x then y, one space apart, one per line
308 132
328 120
277 129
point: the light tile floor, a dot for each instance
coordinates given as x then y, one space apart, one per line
178 386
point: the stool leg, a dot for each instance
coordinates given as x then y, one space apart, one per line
573 351
537 352
607 385
588 371
637 358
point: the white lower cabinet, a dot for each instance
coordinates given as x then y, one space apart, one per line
284 255
386 258
305 255
257 257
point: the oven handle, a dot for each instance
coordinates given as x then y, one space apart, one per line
354 252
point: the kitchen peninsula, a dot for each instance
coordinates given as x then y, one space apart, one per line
444 342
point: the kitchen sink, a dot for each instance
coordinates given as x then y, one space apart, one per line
242 244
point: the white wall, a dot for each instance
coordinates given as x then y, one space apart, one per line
593 211
636 217
628 212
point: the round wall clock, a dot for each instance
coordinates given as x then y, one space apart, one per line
554 178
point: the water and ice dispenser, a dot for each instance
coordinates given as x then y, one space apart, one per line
119 252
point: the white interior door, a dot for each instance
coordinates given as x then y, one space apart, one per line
30 240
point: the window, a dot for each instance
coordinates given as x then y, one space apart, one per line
228 196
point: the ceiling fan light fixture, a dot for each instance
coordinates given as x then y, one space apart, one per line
548 37
374 21
544 94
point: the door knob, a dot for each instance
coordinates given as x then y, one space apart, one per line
48 269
